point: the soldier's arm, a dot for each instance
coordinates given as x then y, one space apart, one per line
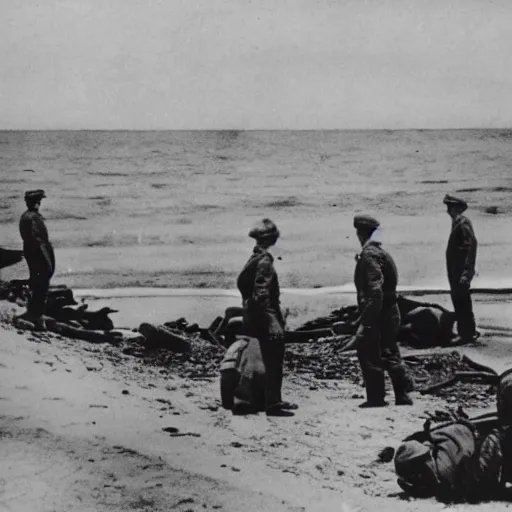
466 247
262 280
38 237
374 280
261 297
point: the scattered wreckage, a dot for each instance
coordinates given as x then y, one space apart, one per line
322 348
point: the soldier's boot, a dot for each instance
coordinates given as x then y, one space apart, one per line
373 403
375 391
401 386
277 410
40 324
404 400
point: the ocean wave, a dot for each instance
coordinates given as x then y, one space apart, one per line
53 215
485 189
489 288
108 174
288 202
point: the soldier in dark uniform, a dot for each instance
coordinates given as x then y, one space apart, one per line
376 279
460 264
39 255
259 287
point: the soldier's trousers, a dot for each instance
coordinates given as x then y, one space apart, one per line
39 283
463 307
37 304
378 352
272 354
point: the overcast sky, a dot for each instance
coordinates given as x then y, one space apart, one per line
261 64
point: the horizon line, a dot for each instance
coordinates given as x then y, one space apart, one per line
250 129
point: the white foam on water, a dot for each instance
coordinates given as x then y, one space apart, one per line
479 286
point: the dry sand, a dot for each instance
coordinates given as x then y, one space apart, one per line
80 433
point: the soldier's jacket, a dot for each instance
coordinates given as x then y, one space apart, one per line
259 287
375 278
37 247
461 251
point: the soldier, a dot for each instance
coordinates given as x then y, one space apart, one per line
376 279
39 255
259 287
460 263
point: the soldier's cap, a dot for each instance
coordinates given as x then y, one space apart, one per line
34 194
454 201
408 455
264 228
365 222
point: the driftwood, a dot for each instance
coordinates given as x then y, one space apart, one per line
92 336
481 374
450 381
159 336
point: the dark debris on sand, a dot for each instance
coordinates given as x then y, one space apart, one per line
320 360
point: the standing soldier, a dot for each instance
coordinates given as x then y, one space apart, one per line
259 287
39 255
460 263
376 278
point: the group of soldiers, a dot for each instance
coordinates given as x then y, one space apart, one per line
375 279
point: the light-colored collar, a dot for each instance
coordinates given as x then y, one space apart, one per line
374 238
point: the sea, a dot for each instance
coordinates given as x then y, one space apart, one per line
172 209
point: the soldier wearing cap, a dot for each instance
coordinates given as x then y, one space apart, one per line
460 263
376 279
259 286
39 255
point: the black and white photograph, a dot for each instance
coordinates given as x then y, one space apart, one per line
255 255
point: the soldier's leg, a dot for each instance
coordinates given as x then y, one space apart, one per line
370 360
463 307
468 325
270 353
41 293
40 289
391 357
279 365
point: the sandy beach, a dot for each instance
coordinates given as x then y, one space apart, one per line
82 431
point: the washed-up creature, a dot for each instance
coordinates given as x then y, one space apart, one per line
444 465
425 325
80 316
63 307
463 459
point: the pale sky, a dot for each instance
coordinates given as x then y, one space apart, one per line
261 64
